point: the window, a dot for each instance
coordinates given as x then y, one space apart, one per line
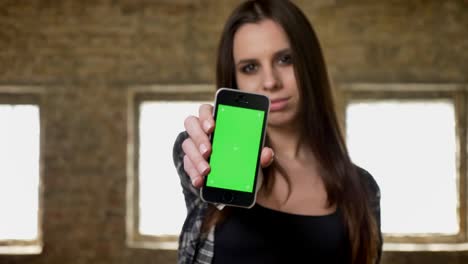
408 137
157 206
415 165
20 139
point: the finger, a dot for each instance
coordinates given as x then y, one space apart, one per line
192 172
198 136
267 157
205 113
192 153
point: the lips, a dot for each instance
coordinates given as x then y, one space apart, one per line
278 104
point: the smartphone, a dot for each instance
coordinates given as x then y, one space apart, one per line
237 142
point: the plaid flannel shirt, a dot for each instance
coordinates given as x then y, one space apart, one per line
196 247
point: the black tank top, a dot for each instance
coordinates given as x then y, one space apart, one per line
263 235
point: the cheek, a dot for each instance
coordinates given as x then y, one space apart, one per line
246 83
289 76
289 79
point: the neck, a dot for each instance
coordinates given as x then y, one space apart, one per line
285 141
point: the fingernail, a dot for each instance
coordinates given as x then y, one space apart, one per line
194 180
203 149
202 168
206 125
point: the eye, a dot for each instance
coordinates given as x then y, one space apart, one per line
249 68
285 59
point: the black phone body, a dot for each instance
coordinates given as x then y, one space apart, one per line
237 142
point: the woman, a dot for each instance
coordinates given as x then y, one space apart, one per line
314 204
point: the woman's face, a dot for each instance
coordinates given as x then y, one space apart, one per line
264 64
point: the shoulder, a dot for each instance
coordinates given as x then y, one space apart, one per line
369 182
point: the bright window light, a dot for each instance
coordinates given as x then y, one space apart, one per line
162 206
19 172
410 149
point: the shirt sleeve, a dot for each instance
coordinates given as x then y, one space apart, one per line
375 205
374 191
191 194
191 249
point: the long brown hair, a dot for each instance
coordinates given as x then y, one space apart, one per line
320 129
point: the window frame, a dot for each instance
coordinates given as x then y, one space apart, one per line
28 95
135 97
347 93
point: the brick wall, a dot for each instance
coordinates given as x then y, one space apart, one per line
85 54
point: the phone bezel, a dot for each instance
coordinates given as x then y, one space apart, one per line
235 97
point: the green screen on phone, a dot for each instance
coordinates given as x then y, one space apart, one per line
235 148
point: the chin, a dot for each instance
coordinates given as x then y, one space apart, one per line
278 119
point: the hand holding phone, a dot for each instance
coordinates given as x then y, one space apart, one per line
199 128
237 142
197 147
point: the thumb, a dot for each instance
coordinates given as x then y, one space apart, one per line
266 157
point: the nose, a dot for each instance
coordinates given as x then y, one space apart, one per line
271 79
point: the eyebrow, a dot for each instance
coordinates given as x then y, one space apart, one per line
278 53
